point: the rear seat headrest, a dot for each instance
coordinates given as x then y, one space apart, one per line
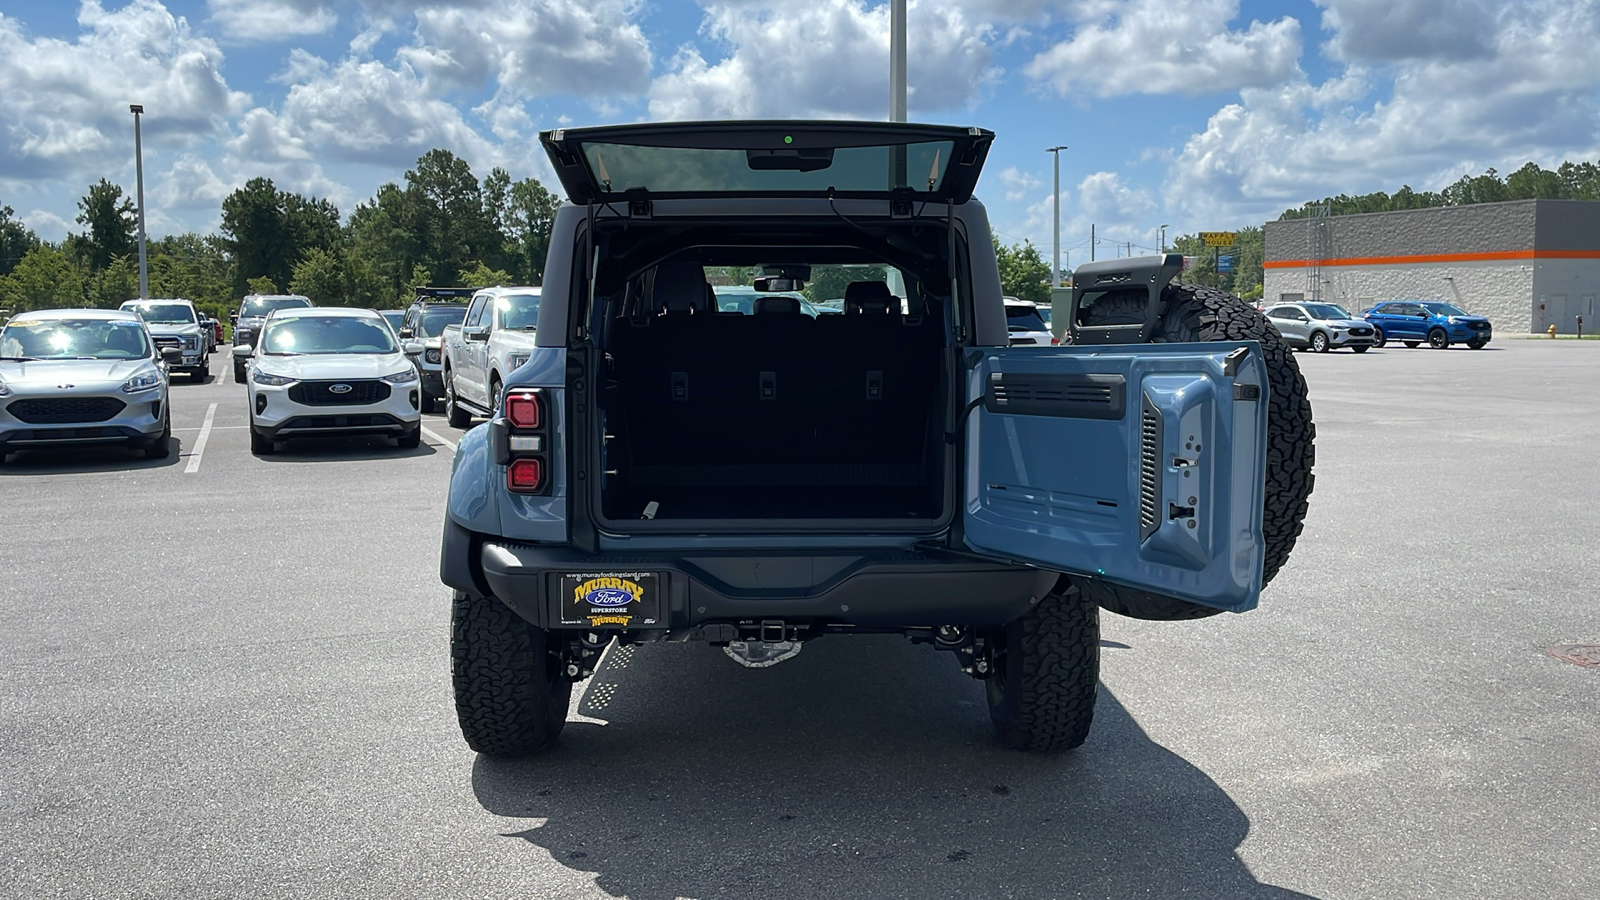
775 304
680 288
869 297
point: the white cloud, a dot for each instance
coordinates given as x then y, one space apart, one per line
189 184
1018 183
1373 30
1159 47
532 47
47 225
822 59
271 20
64 104
1532 98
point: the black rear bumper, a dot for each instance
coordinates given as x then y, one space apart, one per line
868 589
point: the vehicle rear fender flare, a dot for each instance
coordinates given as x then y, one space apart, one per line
474 479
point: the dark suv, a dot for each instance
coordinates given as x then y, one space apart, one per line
425 319
251 315
660 470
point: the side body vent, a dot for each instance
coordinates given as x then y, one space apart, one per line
1065 396
1150 443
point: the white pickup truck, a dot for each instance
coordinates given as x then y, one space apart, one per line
492 341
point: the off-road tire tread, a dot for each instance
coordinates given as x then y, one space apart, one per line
1196 313
511 698
1049 674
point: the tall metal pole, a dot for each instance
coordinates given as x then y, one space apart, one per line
1091 245
897 60
138 169
1055 223
1163 239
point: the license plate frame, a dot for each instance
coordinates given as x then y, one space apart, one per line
607 599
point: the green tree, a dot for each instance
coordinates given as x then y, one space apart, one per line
481 275
382 234
261 284
451 227
1534 183
1023 272
46 278
15 241
320 275
269 230
115 284
526 219
112 225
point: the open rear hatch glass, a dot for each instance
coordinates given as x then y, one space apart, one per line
936 163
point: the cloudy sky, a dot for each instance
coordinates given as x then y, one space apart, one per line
1202 114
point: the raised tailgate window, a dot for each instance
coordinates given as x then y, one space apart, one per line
666 170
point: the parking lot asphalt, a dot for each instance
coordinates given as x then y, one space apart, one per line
228 676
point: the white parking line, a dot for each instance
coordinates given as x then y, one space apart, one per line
200 442
439 438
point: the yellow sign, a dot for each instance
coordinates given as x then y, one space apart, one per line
1217 238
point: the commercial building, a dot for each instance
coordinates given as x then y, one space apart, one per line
1526 264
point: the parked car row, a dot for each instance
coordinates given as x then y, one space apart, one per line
1328 326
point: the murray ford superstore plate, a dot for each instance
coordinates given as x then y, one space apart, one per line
611 599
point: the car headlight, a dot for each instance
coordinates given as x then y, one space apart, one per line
432 356
5 391
404 376
260 377
1452 320
517 360
142 382
190 342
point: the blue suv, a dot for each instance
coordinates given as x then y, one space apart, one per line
1440 324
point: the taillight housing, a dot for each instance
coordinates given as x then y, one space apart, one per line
526 439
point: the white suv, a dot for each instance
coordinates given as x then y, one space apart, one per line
330 371
175 323
1025 325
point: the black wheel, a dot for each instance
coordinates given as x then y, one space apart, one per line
1361 348
1319 342
494 392
1477 344
162 448
1194 314
511 694
1378 337
410 440
238 374
453 413
1412 344
1438 340
260 445
1046 674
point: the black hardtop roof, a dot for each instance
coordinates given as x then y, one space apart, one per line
776 145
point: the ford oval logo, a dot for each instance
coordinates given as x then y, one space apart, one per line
608 597
339 389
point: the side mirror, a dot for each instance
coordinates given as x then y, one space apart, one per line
476 334
406 334
413 348
242 351
171 355
1422 315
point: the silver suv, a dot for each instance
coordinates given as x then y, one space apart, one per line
1320 327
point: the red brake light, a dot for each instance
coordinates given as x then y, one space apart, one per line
522 410
524 475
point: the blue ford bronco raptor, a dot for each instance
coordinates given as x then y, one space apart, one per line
662 470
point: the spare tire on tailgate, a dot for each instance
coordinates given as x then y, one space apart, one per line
1194 314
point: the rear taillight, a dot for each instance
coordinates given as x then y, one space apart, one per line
523 410
525 475
527 444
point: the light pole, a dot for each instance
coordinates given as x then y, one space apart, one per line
897 60
1055 223
1163 239
138 170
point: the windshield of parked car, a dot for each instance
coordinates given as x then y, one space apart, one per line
518 312
1443 309
326 334
74 339
393 316
260 306
1024 318
432 322
1327 311
166 313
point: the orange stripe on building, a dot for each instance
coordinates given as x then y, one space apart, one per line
1492 256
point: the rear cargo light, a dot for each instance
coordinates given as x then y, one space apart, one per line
525 475
522 410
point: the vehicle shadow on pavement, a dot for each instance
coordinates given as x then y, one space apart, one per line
85 460
862 768
304 450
